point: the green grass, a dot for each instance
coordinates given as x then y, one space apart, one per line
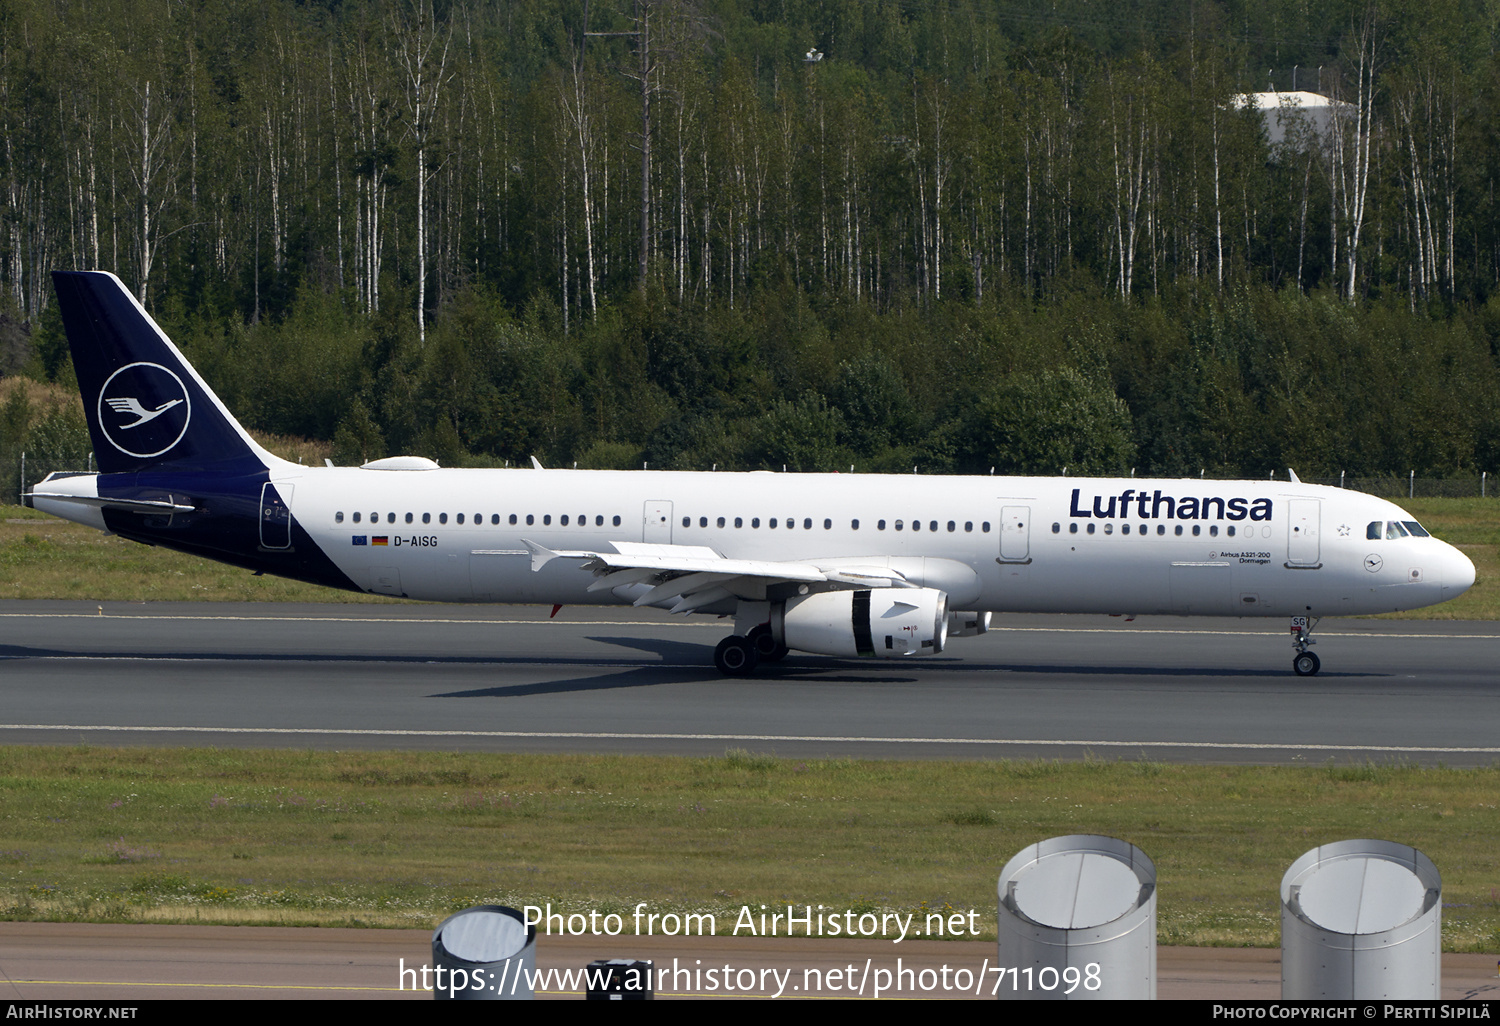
42 557
402 839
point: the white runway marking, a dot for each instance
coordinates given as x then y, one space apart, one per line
551 735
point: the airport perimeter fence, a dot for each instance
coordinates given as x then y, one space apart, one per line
1410 486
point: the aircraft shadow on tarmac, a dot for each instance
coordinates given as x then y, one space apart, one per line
684 662
680 664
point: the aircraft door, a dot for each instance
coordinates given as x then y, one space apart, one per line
1302 545
275 516
1015 534
657 522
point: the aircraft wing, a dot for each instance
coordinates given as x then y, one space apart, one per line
682 578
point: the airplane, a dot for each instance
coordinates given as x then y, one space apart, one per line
850 565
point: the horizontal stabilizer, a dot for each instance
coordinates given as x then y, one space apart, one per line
131 505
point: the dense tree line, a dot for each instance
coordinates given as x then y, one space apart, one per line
951 235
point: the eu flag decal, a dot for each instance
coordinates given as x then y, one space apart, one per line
360 539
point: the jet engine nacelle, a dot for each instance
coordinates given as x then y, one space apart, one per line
967 625
883 622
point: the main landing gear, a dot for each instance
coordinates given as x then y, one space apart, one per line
1304 663
736 656
739 656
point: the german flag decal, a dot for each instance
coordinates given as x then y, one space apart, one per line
380 539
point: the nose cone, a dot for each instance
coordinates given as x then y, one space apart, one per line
1458 574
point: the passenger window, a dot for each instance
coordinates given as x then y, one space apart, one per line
968 525
898 525
1073 528
1162 529
721 521
390 518
1124 529
427 518
530 519
739 521
1230 531
1197 530
409 518
1056 528
932 525
1091 527
599 521
442 518
687 521
854 525
338 518
1110 528
356 518
1213 532
916 525
547 519
880 525
771 522
1143 530
953 527
460 518
513 518
617 520
562 520
703 522
807 523
755 521
985 527
1177 530
1373 531
494 519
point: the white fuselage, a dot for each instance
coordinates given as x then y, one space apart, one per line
1224 548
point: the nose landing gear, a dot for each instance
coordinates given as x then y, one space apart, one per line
1304 663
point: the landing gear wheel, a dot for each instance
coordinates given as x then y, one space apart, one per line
735 657
1306 664
765 644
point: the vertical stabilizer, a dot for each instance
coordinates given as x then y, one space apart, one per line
145 404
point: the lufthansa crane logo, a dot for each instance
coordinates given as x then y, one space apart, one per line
144 410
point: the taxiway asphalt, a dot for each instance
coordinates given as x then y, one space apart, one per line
603 679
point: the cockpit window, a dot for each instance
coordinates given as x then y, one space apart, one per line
1416 529
1374 531
1394 530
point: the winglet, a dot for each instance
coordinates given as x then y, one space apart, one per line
536 464
1293 475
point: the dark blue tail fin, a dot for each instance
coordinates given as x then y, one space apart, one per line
146 406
